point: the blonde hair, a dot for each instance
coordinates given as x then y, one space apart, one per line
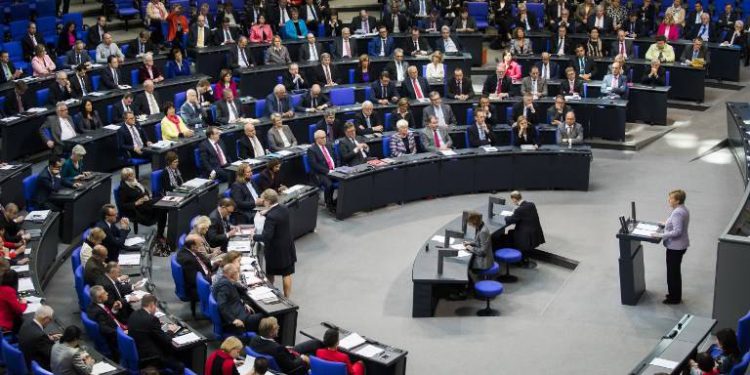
96 235
200 221
231 343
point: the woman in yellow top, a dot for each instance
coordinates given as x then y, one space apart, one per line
172 126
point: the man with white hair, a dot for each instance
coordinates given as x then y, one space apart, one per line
325 74
447 43
279 102
148 102
311 50
108 317
58 128
321 159
191 111
61 90
34 342
367 120
414 86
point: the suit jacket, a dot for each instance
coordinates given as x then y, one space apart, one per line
407 88
614 48
607 24
307 101
490 84
476 141
675 234
150 341
726 21
149 46
531 19
553 114
337 128
142 103
222 110
448 116
53 125
275 143
275 105
115 240
166 183
191 266
575 134
261 34
219 37
244 198
440 44
93 270
59 94
659 80
333 30
408 46
338 48
107 325
217 231
533 118
357 23
291 85
541 86
554 69
528 233
317 160
303 13
116 292
246 149
193 36
636 27
92 37
210 158
471 23
622 85
588 65
396 144
108 80
565 87
403 23
28 45
234 56
191 114
390 91
231 299
274 16
277 236
75 85
393 70
143 73
567 46
125 140
304 51
288 362
467 88
428 139
46 184
277 57
687 54
374 46
71 60
361 122
346 149
34 344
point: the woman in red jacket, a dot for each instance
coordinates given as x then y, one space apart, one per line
331 353
261 32
225 82
11 308
221 361
10 250
177 24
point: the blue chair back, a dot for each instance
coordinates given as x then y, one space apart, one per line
636 51
585 90
322 367
743 333
179 278
110 112
179 99
466 138
351 76
197 159
128 351
181 240
296 100
36 369
227 193
306 163
538 10
157 131
29 191
368 92
740 368
260 107
480 11
134 77
470 116
387 119
93 332
387 146
213 314
15 363
86 296
271 361
311 133
156 182
78 281
46 25
75 258
19 11
42 97
17 30
342 96
204 291
76 18
509 115
85 235
666 78
255 178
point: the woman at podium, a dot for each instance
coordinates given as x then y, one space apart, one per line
675 239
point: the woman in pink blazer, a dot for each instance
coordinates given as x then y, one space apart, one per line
261 32
512 68
42 64
225 82
668 28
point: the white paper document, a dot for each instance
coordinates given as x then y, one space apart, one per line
102 368
112 127
352 341
369 351
489 148
133 241
159 314
36 109
463 254
441 239
648 227
506 213
642 232
23 268
129 259
11 118
248 260
284 152
251 278
247 365
34 299
196 183
186 339
32 308
661 362
448 152
293 189
241 246
37 215
96 93
25 284
162 144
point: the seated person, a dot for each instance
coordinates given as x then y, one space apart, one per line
95 267
697 52
8 71
234 304
615 84
77 56
326 74
524 133
229 110
241 56
172 126
226 81
33 341
661 50
72 169
464 23
137 203
270 178
435 138
435 69
320 156
142 45
90 119
527 109
367 120
313 101
279 102
570 132
222 360
572 85
280 136
200 226
58 128
108 317
112 78
556 113
61 90
481 134
42 64
310 51
149 71
383 45
214 156
520 45
403 142
95 237
363 71
293 79
12 250
154 346
148 102
12 221
497 85
460 87
177 65
414 86
131 139
11 307
193 261
245 194
171 178
655 76
354 149
116 231
294 28
249 146
448 44
220 231
490 111
534 84
332 126
330 352
548 69
191 112
49 182
384 90
290 362
403 112
118 289
583 65
277 53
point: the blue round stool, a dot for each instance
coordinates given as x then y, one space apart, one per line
490 272
488 289
508 255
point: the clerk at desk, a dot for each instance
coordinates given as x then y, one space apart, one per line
48 182
72 170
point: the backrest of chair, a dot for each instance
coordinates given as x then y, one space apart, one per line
179 99
75 258
227 193
666 78
197 159
478 9
470 116
42 97
740 368
92 330
260 107
342 96
306 163
213 314
743 333
29 191
156 182
46 25
128 351
387 146
133 77
17 30
177 276
271 361
311 133
76 18
157 131
36 369
204 291
351 76
296 100
320 366
20 11
387 120
15 363
466 138
86 295
110 107
181 241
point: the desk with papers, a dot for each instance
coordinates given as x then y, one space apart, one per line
82 206
11 182
379 358
182 206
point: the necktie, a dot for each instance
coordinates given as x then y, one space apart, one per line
257 147
367 120
480 130
384 90
313 103
83 85
702 32
152 105
499 88
19 101
232 109
545 71
200 42
731 41
382 47
416 45
661 55
227 36
366 26
560 43
395 24
581 66
313 53
533 86
460 90
220 154
312 11
33 39
283 15
572 86
278 105
622 48
347 51
329 131
78 59
115 77
327 74
112 316
203 265
632 26
327 156
417 89
436 138
136 137
140 48
244 57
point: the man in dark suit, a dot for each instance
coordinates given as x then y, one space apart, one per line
111 77
311 50
363 23
278 15
199 35
600 21
96 32
148 102
58 128
498 84
220 231
131 139
420 9
117 289
94 268
460 87
693 18
416 44
696 51
193 262
225 34
727 19
231 296
313 101
326 74
154 346
292 362
480 134
447 43
382 45
310 13
61 90
397 67
249 146
526 20
556 113
293 79
228 109
48 182
321 159
583 65
396 22
142 45
19 100
241 56
367 120
384 91
414 86
705 31
528 233
80 83
345 47
555 11
279 102
116 231
528 109
8 71
214 156
622 46
30 41
655 76
353 148
332 126
633 26
106 316
547 69
560 44
34 342
279 251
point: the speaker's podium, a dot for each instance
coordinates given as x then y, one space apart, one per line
632 277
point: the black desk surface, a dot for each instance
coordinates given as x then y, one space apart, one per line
389 357
71 194
11 182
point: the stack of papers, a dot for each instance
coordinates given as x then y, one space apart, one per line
506 213
25 284
37 215
137 294
441 239
19 269
351 341
247 260
241 246
186 339
96 93
36 109
645 230
661 362
34 299
448 152
294 189
134 241
284 152
195 183
262 293
369 351
247 365
32 308
11 118
489 148
172 198
112 127
102 368
129 259
251 278
162 144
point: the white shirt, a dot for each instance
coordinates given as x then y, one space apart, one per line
153 106
284 139
399 71
66 129
450 46
439 114
252 190
257 146
313 52
232 111
599 23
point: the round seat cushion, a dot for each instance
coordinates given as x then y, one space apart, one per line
494 270
508 255
488 288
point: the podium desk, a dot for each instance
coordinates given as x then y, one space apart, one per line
632 273
11 183
185 150
98 143
200 201
82 206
